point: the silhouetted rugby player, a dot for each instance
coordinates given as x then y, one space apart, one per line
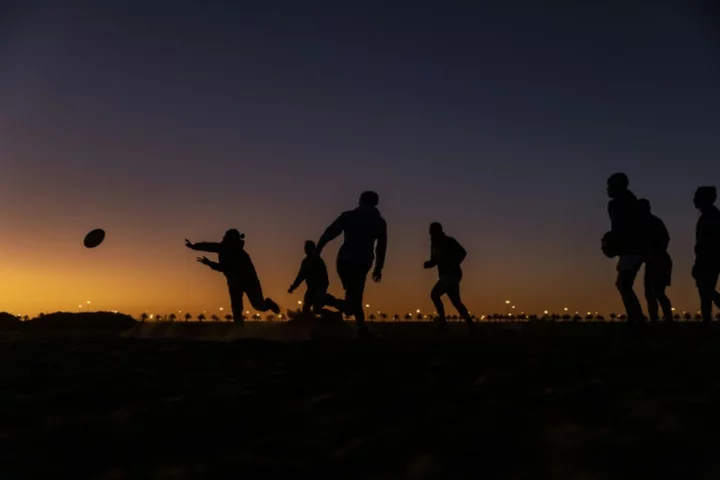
235 263
628 240
707 250
314 273
446 254
365 241
658 264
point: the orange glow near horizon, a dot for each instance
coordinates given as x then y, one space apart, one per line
162 277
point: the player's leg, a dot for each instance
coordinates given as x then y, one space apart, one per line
664 301
354 299
651 294
436 296
236 302
628 267
317 299
713 281
355 280
706 290
258 300
453 292
307 305
334 302
344 271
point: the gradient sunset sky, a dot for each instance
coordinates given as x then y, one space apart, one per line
160 121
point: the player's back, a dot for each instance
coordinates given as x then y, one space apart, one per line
449 254
658 236
316 272
236 263
361 228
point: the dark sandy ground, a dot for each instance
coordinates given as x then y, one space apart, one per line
586 401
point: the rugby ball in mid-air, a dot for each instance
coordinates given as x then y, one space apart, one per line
94 238
608 245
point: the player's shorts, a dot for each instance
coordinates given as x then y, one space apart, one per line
658 270
353 274
629 263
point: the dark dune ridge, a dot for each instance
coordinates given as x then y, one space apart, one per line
9 321
90 321
529 401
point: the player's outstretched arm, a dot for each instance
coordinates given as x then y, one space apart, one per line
214 265
210 247
331 233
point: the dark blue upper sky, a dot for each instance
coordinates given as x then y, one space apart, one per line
503 121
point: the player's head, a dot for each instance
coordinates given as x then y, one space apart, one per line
617 184
705 197
309 247
436 229
234 237
644 205
369 199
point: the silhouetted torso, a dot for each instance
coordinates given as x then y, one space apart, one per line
236 264
361 227
707 237
624 215
448 254
314 272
